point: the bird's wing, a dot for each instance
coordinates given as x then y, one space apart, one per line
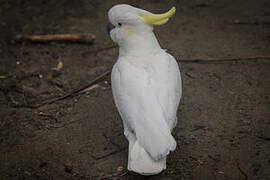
135 95
167 76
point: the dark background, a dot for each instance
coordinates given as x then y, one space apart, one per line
223 129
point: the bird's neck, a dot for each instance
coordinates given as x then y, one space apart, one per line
139 45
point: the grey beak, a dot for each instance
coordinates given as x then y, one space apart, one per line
109 27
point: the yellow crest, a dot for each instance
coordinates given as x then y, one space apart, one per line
157 19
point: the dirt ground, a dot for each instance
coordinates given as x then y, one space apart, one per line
224 126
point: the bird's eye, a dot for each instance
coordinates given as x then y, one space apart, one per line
119 24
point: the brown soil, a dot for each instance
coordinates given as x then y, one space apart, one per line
224 125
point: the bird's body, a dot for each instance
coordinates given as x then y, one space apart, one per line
146 86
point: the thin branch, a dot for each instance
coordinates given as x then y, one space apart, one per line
238 22
263 138
100 176
115 175
77 91
99 50
222 59
82 38
241 170
111 153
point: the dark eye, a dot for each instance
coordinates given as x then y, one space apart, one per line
119 24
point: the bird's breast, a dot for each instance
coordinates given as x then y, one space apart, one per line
140 62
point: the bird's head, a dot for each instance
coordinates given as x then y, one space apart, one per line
127 21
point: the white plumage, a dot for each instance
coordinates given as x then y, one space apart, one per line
146 86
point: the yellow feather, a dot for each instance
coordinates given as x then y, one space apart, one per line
157 19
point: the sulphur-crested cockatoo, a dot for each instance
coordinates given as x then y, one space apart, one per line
146 86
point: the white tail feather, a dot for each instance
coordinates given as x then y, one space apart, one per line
141 162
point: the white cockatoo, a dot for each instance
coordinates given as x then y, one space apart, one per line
146 86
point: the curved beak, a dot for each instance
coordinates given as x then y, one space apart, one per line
109 27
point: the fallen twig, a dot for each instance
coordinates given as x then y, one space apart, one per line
77 91
3 77
90 88
251 22
100 176
222 59
111 153
82 38
263 138
115 175
99 50
241 170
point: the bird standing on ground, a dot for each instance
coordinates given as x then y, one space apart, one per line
146 86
